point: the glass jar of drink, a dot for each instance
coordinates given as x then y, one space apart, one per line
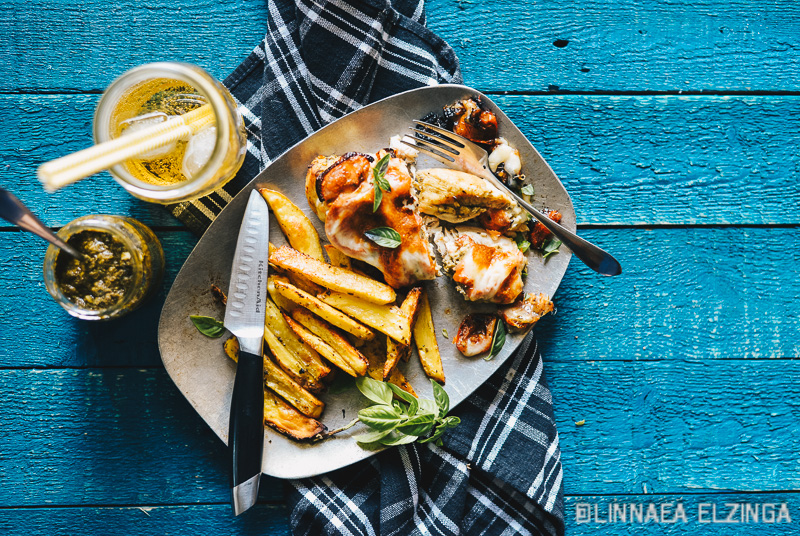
185 169
122 265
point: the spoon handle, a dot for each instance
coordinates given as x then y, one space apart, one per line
13 211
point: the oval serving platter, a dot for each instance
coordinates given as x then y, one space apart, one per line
205 375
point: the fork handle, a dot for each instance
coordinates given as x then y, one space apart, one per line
592 256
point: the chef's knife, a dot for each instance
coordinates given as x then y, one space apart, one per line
244 317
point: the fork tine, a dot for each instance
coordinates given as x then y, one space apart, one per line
446 144
444 134
433 141
444 159
442 151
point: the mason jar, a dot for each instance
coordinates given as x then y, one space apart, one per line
188 168
119 287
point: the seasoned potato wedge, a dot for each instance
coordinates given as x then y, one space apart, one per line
395 350
331 315
279 415
291 353
295 225
332 277
322 348
282 303
329 334
387 319
231 348
280 382
337 257
425 339
375 350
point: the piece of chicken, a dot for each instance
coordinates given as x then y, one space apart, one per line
456 197
343 197
484 267
524 313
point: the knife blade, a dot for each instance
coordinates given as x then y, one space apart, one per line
244 317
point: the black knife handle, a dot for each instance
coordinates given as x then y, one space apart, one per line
246 430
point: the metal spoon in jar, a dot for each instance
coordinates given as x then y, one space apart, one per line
13 211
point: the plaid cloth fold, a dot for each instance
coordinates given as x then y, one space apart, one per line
499 472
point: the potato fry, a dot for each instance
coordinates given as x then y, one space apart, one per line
280 382
337 257
322 348
277 297
323 310
231 348
425 339
329 334
332 277
295 225
375 351
394 349
387 319
297 359
278 414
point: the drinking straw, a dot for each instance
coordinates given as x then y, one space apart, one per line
76 166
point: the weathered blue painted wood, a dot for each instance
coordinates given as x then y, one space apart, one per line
63 45
262 519
605 45
112 436
597 45
267 520
685 294
127 436
625 160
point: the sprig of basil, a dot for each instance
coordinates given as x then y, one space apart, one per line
381 184
405 419
384 236
210 327
522 242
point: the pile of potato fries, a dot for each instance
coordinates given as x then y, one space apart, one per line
322 316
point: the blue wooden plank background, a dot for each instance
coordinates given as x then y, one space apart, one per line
675 127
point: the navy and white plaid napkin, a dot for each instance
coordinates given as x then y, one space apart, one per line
499 472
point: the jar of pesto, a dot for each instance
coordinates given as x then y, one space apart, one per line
122 266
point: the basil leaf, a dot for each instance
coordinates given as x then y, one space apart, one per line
371 437
397 439
378 197
450 422
384 236
441 398
403 395
522 243
210 327
379 173
419 425
428 407
380 417
527 189
376 391
498 339
550 247
381 184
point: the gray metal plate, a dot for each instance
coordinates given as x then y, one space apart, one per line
205 376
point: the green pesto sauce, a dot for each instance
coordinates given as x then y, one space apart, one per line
101 279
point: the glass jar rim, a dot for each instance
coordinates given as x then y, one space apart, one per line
121 232
197 78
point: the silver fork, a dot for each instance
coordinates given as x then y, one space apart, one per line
458 152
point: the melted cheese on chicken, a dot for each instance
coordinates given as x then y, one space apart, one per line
350 215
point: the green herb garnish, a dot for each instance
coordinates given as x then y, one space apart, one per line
409 419
522 243
210 327
527 189
550 247
384 236
498 339
381 184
